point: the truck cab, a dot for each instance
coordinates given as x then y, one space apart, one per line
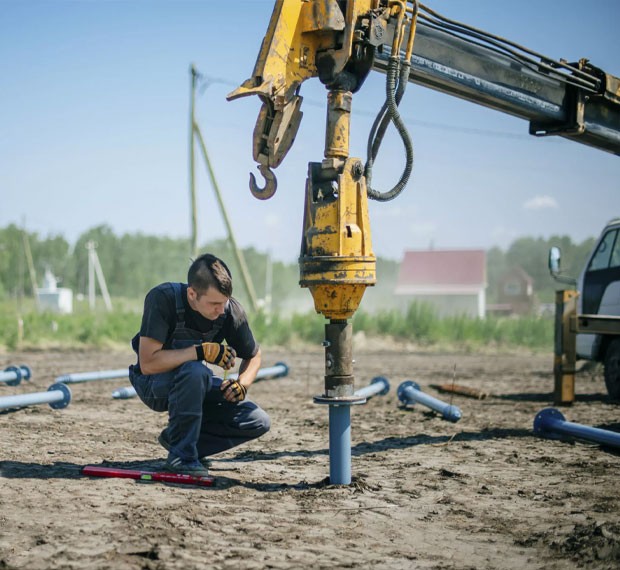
598 287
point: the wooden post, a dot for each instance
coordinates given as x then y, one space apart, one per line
565 350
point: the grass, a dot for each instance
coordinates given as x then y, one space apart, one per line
29 328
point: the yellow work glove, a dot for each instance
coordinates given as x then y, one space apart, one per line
233 390
220 354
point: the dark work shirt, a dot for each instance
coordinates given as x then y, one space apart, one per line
160 318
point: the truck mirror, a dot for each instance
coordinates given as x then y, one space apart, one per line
555 256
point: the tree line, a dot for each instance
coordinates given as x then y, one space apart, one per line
133 263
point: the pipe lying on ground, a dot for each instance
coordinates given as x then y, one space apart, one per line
78 377
550 423
378 386
57 396
13 375
410 393
278 370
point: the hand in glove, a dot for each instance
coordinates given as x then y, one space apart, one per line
220 354
234 391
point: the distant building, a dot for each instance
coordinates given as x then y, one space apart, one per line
453 281
54 298
515 293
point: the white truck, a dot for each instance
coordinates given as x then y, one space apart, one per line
591 326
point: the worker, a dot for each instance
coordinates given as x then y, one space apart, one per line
185 329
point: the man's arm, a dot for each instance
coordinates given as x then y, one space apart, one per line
248 369
247 374
154 359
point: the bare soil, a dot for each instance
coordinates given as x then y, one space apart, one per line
483 493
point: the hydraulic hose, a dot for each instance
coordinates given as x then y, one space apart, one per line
389 113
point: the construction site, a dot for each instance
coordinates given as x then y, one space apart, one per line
460 428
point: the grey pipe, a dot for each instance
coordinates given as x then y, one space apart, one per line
552 424
57 396
409 393
13 375
378 386
78 377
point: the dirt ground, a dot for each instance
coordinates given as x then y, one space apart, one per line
483 493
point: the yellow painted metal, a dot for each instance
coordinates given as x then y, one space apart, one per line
565 353
298 30
337 262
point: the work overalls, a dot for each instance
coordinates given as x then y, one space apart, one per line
200 421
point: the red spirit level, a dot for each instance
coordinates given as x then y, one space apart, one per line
95 471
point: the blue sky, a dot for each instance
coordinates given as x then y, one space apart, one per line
94 129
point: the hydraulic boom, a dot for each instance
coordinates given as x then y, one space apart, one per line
341 42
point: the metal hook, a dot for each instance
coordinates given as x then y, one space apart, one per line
271 184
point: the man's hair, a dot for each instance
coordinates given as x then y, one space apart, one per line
209 271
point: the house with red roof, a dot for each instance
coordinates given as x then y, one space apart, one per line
452 280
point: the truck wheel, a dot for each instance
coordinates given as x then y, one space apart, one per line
612 369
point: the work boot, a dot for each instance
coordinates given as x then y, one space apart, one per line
175 464
163 441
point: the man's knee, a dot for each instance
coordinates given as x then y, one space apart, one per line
262 422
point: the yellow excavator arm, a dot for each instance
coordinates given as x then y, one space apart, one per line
340 42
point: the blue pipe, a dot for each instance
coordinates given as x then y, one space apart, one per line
550 423
340 444
77 377
378 386
13 375
57 396
409 393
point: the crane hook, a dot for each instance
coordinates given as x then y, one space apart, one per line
271 184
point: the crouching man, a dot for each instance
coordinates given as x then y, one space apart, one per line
186 327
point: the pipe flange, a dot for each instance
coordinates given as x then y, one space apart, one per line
544 421
66 393
18 375
285 373
403 388
384 381
339 401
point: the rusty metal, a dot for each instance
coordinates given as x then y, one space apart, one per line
271 184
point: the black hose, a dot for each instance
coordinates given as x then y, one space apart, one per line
389 113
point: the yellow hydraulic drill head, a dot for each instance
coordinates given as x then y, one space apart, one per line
337 262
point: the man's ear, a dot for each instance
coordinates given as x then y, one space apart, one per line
192 295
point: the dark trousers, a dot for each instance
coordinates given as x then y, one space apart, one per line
200 421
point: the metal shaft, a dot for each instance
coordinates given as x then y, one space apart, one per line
57 396
551 423
13 375
340 444
410 393
78 377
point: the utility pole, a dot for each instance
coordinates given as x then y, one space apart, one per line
245 274
192 180
30 263
94 267
195 131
